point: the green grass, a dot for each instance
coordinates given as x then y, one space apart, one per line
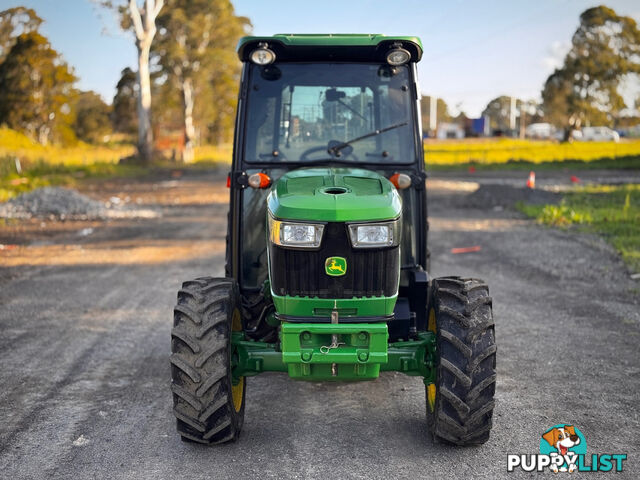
17 145
67 165
209 154
611 211
41 174
492 151
622 163
26 165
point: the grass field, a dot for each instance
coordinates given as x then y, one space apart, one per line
17 145
213 154
612 211
25 165
501 153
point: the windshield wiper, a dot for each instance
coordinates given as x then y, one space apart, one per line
335 149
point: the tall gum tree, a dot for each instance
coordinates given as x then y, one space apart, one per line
143 23
605 50
141 20
181 48
192 36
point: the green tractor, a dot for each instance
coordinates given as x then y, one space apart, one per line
327 261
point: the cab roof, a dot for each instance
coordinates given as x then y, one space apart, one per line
350 47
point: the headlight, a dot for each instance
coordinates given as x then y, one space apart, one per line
398 56
262 55
375 235
289 234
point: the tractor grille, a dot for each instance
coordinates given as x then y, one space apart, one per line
370 272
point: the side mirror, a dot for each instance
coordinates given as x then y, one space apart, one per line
333 95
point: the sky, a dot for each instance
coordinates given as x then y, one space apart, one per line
474 50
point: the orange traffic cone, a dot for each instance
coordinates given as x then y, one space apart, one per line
531 182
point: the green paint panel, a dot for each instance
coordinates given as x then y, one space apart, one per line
347 307
359 195
364 186
330 40
250 358
302 185
365 353
414 357
362 347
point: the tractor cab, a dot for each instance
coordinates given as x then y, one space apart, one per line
331 123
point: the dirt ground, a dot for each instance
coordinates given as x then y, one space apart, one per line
86 309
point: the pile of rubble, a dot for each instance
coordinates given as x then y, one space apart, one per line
66 204
507 196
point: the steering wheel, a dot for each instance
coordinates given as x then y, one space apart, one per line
306 153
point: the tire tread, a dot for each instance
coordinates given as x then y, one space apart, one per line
200 360
466 375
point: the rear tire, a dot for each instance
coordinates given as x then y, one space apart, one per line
208 408
461 407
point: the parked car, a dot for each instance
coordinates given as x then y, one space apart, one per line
540 130
574 134
629 132
599 134
450 130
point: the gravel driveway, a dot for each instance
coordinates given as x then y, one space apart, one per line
84 344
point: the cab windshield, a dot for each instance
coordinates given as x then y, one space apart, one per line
319 112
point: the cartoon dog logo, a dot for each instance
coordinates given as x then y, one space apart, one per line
563 438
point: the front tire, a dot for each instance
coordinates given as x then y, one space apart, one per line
460 403
208 407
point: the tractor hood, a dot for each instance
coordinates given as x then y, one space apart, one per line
334 195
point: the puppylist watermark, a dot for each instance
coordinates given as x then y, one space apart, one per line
563 448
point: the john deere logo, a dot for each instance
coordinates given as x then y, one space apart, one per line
335 266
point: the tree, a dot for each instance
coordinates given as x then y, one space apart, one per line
193 36
142 21
499 113
530 112
223 75
144 27
123 117
605 51
91 122
14 22
35 88
218 112
442 112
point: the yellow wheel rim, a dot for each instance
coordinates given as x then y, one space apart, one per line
431 388
237 391
431 397
236 321
431 326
